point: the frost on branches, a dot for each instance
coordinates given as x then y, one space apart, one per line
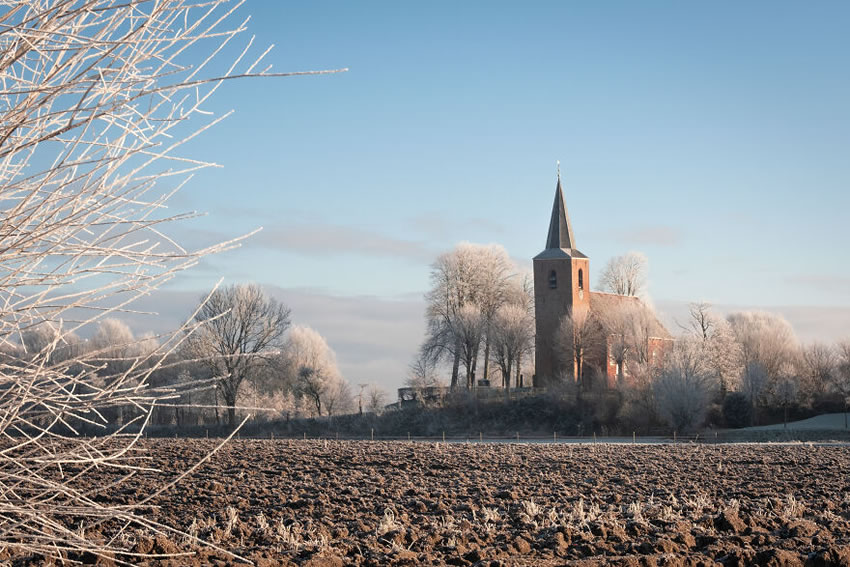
96 99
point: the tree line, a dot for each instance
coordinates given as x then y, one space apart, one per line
736 370
241 355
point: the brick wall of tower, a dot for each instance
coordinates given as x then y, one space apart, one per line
551 305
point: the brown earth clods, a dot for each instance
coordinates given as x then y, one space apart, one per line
324 503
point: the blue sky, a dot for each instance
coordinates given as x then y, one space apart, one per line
713 137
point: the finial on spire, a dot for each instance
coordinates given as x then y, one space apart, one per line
559 169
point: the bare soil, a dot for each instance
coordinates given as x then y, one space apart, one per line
396 503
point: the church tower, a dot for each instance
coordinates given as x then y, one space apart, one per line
561 287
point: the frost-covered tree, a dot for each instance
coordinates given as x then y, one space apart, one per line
754 383
623 326
766 339
520 293
580 338
718 339
423 377
317 377
467 329
768 347
239 330
97 99
512 336
625 275
45 339
818 364
841 377
471 276
376 399
683 388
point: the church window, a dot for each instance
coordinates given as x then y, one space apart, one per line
580 279
553 280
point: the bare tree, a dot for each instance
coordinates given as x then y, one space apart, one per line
718 339
317 377
625 275
470 276
512 335
338 398
423 378
239 330
422 373
45 339
682 390
622 328
580 338
377 399
97 98
841 377
765 338
819 363
783 392
467 329
754 382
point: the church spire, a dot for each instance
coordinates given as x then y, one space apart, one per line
560 229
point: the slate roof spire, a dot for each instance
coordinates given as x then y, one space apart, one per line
560 229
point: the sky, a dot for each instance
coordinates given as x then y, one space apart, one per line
712 137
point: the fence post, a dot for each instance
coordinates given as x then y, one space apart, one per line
634 440
373 434
444 436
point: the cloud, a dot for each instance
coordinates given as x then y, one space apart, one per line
822 282
651 235
436 223
329 240
316 238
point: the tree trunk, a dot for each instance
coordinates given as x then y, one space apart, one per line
507 376
217 418
487 357
518 366
474 366
579 369
230 401
456 366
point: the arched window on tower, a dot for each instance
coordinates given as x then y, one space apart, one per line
553 280
580 279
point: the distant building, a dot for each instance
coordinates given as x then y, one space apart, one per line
561 289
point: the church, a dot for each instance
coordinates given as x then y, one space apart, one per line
562 290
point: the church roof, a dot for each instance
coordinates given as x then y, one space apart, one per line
560 241
601 302
560 229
